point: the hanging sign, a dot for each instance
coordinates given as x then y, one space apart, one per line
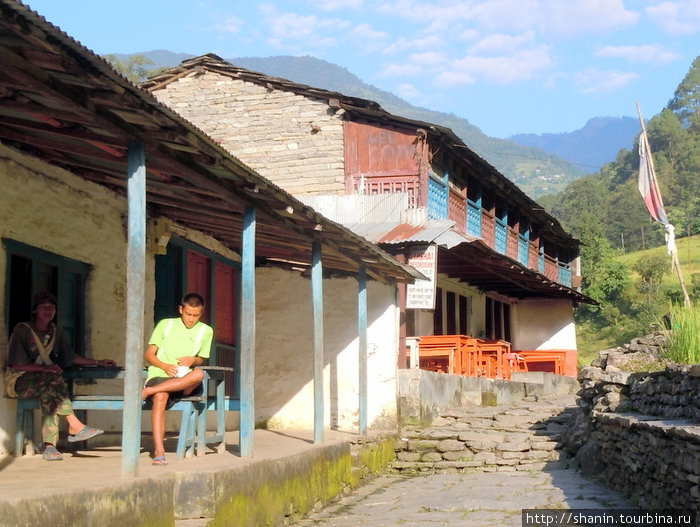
421 293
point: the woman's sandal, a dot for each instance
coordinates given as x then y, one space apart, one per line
52 454
160 460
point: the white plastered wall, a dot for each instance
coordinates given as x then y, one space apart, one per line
284 392
48 208
543 324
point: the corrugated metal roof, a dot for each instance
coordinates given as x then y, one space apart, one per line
398 232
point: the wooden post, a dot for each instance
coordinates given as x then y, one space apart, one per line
247 346
317 301
135 297
362 337
402 363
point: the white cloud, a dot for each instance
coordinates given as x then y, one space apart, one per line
500 43
554 17
400 70
408 92
368 36
403 45
505 69
336 5
230 24
652 53
676 18
454 78
596 81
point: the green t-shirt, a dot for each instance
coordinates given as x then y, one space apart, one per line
174 340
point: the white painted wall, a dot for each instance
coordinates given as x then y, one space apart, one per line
51 209
284 352
544 324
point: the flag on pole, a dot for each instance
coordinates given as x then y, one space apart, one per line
648 187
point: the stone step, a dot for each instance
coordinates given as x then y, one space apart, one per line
505 438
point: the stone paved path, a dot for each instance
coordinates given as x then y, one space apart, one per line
465 500
476 497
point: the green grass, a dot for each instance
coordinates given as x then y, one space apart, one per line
685 337
688 257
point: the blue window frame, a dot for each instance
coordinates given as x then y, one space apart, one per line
30 270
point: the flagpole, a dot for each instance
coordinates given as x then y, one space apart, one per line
674 253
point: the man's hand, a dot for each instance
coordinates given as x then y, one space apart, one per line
188 360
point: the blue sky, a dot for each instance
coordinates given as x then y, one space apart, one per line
508 66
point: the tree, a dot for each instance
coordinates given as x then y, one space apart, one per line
651 272
686 99
133 68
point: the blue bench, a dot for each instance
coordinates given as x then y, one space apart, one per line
193 423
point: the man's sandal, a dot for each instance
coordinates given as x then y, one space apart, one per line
52 454
160 460
86 433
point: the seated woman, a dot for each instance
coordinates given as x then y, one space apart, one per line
37 353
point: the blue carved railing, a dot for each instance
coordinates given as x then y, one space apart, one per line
473 219
438 197
540 263
564 275
501 237
523 249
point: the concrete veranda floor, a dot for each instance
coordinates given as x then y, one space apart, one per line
30 477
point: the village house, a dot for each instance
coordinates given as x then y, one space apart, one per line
504 273
119 206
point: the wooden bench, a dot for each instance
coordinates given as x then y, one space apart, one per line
193 423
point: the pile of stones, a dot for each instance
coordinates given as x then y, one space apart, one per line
523 436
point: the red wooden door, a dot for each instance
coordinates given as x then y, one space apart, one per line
199 280
226 321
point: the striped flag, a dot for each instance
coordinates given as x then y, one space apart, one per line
648 187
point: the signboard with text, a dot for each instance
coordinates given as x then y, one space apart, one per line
421 294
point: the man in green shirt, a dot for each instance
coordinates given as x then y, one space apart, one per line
176 348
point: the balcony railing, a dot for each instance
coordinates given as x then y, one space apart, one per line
385 184
438 198
473 219
523 250
457 210
444 202
488 229
501 242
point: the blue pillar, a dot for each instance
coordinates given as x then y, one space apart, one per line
247 344
362 333
135 299
317 300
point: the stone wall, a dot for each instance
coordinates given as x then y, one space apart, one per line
640 431
423 395
295 141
